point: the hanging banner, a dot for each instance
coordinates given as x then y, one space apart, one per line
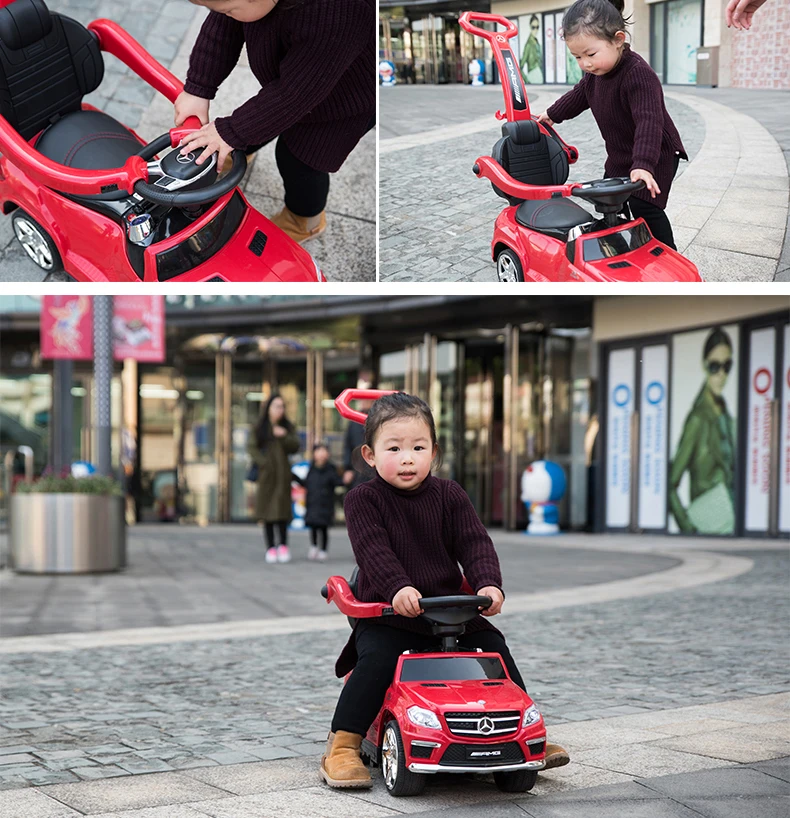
762 380
784 446
620 406
653 438
67 327
138 328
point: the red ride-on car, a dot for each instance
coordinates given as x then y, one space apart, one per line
449 710
543 235
88 195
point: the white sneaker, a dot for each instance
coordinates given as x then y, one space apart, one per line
312 554
271 555
283 554
321 556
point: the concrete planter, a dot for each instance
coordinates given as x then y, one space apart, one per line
67 533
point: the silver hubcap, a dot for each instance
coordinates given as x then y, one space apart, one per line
35 244
389 758
506 268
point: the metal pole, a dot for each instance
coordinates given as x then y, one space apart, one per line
102 376
62 449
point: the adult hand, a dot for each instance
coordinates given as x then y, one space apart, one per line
348 477
187 105
545 119
279 431
647 178
738 13
208 138
497 598
407 602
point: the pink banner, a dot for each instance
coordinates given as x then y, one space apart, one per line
67 327
138 327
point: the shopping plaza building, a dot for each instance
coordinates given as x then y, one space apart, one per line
687 42
667 414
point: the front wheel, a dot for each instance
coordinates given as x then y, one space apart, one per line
516 781
36 242
508 266
398 780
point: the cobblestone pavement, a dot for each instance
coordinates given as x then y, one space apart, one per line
119 711
441 230
189 575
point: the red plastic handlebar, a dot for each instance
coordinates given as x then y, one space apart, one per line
339 592
188 126
465 21
486 168
347 395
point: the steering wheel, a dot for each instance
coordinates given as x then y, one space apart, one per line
460 601
608 191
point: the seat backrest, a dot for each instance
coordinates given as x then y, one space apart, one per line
530 156
48 63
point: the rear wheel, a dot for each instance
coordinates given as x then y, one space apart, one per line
508 266
516 781
398 780
36 242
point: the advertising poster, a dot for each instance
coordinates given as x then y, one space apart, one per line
67 327
551 50
620 407
703 438
784 446
653 424
762 381
560 48
138 328
530 36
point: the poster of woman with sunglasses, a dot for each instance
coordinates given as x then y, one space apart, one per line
703 437
532 56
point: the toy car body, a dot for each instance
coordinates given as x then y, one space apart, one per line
87 193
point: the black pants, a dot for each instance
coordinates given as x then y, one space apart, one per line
319 535
378 649
282 530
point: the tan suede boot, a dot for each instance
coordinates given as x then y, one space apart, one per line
341 765
556 756
300 228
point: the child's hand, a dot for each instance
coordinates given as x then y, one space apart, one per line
544 118
207 137
407 602
647 178
188 105
497 598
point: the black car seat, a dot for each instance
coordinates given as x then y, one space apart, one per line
48 63
533 158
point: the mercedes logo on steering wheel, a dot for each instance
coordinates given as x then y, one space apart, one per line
185 159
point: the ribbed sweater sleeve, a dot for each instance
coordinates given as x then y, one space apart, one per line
372 547
572 104
325 40
474 548
643 91
214 55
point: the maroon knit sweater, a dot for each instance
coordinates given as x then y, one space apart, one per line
417 537
316 65
628 105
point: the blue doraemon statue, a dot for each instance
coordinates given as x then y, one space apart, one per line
542 487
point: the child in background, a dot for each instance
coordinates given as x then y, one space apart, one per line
409 531
320 482
625 96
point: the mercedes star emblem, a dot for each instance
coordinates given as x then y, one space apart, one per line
485 725
185 159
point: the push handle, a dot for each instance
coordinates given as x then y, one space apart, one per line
338 590
347 395
465 21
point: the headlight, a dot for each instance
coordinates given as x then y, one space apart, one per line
423 718
531 716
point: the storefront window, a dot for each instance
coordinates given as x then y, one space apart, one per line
675 36
25 403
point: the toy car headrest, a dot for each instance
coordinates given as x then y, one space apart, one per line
23 23
525 132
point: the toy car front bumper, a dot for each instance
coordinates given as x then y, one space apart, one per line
502 768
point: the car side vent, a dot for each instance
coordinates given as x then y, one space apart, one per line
217 278
258 243
433 684
493 684
656 251
616 264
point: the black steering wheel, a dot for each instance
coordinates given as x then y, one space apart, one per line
462 601
160 195
612 191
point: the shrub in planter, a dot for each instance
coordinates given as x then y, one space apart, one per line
102 486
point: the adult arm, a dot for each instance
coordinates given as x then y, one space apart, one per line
290 442
372 546
685 451
571 104
214 55
643 98
325 42
259 457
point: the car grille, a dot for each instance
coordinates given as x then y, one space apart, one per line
494 723
456 755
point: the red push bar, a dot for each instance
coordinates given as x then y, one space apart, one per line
339 592
487 168
347 395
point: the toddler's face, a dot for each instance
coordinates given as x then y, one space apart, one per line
402 452
596 56
320 457
245 11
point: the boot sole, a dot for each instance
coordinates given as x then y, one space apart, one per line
343 785
558 760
